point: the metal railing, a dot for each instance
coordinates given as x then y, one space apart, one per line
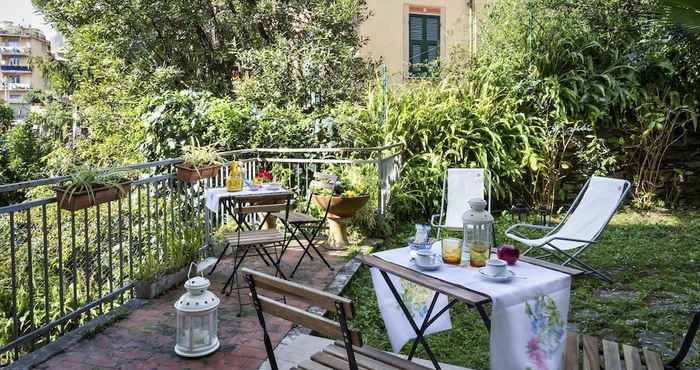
15 68
62 268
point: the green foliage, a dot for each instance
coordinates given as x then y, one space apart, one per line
6 117
199 156
171 120
353 181
24 152
684 13
314 66
317 40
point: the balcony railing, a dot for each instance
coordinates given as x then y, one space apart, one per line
62 268
11 68
14 86
14 50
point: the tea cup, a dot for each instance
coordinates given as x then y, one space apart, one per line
426 257
496 267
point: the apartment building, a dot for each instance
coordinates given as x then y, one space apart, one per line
408 35
18 45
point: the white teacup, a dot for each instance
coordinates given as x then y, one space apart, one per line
496 267
426 257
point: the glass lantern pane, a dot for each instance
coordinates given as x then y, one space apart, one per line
200 331
183 330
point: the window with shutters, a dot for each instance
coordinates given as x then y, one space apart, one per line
423 43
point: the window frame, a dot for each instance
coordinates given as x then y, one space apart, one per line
422 68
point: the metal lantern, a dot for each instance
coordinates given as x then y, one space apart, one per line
477 225
197 321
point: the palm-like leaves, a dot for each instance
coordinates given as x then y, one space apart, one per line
684 13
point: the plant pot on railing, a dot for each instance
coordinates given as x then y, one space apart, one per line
341 208
75 200
191 174
198 162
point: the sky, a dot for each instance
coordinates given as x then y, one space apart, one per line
23 12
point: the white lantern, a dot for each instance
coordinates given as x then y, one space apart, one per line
197 321
477 225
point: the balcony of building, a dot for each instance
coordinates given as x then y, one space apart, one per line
15 86
15 68
15 50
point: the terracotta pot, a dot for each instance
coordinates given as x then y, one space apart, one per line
190 174
340 207
83 199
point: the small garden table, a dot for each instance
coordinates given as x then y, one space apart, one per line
455 293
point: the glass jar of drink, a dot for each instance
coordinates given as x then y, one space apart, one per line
477 224
234 182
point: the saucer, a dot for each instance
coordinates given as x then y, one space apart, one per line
497 279
252 188
434 266
270 187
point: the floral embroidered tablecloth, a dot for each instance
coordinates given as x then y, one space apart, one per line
528 318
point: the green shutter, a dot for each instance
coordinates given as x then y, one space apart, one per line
423 42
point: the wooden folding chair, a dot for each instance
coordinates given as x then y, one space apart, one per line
348 353
306 224
242 242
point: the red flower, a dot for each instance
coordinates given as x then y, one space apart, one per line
264 174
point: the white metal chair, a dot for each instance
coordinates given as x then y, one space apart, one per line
460 184
583 224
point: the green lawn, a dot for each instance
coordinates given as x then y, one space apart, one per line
654 259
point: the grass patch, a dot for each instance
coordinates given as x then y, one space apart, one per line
653 257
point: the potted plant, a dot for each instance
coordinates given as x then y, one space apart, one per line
87 187
198 162
349 196
156 276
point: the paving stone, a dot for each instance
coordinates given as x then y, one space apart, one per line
671 302
586 314
658 341
614 294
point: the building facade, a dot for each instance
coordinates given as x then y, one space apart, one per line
410 36
18 46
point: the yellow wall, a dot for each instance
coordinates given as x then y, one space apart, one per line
33 45
387 30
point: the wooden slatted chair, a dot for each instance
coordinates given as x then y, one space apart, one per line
242 242
589 353
341 355
306 224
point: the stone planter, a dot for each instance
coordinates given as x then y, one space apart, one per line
340 209
152 289
83 199
189 174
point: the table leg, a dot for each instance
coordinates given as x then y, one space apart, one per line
429 321
484 316
409 317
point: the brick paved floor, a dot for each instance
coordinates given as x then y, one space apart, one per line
145 339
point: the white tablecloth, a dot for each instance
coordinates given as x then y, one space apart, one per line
528 318
212 197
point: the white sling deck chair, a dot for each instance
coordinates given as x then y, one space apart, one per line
460 184
583 224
